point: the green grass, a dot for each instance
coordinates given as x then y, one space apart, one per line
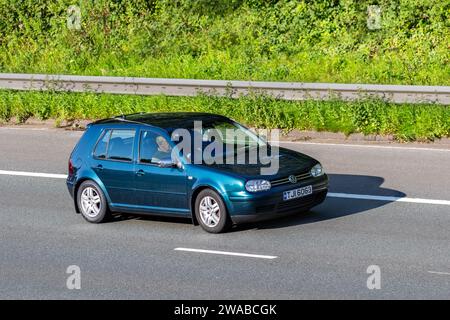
273 40
405 121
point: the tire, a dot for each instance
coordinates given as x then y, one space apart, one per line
211 212
87 196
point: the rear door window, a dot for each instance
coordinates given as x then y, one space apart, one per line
120 146
102 145
116 144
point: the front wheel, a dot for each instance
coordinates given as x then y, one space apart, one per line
211 212
92 202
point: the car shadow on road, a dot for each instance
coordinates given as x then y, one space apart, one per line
332 207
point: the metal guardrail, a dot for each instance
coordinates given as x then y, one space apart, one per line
233 89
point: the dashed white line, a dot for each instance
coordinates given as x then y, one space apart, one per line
33 174
248 255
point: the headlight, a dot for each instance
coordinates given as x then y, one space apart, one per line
257 185
317 170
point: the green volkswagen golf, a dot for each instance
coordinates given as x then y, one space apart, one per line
201 166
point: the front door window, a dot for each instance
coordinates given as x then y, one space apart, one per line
153 148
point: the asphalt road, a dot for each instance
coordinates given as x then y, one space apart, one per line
321 254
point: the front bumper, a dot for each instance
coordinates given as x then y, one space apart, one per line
270 204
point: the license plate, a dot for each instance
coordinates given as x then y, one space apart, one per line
297 193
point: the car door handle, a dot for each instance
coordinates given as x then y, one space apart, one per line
140 173
100 167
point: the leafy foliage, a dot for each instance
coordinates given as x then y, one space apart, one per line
405 122
301 40
308 40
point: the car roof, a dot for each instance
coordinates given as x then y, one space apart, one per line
168 121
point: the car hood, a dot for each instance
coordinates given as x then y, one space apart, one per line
290 162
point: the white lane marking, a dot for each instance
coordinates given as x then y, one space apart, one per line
33 174
385 198
284 142
330 194
363 146
440 273
227 253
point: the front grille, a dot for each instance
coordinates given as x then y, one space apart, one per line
300 177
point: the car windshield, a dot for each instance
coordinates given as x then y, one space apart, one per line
230 133
223 138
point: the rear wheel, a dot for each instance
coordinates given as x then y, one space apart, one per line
211 212
92 202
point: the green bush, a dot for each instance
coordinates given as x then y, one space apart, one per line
404 121
273 40
308 40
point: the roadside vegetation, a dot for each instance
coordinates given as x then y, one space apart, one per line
272 40
405 122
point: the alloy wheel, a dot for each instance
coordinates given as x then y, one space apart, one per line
90 202
209 211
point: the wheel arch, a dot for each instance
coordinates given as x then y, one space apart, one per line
195 193
77 186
